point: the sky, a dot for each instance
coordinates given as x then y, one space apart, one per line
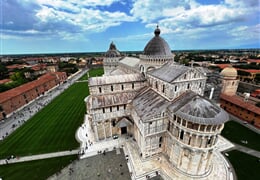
61 26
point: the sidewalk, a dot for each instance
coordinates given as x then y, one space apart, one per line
39 156
246 150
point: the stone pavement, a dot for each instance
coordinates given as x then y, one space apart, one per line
140 168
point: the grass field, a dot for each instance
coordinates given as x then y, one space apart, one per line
52 129
34 170
236 132
93 73
246 166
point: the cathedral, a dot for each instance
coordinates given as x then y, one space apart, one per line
160 104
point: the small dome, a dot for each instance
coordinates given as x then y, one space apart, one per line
229 72
157 46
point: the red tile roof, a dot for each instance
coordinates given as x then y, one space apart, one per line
4 96
250 70
16 66
253 60
240 102
5 81
222 66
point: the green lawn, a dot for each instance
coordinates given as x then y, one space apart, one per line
93 73
236 132
246 166
34 170
53 128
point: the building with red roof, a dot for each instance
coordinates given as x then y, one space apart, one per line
244 110
15 98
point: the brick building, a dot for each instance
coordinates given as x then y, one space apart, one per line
234 104
241 109
17 97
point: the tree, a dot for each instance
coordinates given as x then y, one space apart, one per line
3 71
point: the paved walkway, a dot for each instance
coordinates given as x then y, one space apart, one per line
39 156
242 122
247 150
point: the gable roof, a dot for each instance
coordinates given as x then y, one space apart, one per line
126 78
169 72
149 104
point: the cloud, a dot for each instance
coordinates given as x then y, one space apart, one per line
61 17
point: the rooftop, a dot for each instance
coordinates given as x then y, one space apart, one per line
169 72
195 108
239 101
116 79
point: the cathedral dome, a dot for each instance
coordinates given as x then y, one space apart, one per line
229 72
112 52
157 46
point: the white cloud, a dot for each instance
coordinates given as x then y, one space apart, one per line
191 13
242 33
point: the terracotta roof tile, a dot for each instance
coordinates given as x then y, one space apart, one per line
4 96
240 102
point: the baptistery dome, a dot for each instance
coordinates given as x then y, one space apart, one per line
112 52
157 46
229 72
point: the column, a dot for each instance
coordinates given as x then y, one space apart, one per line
110 127
104 130
96 132
190 161
200 162
180 157
209 160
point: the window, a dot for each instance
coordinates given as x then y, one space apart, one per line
100 90
185 76
122 87
200 84
210 140
188 87
112 88
133 85
156 85
117 108
163 88
110 109
182 134
176 88
160 141
124 106
113 123
103 110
